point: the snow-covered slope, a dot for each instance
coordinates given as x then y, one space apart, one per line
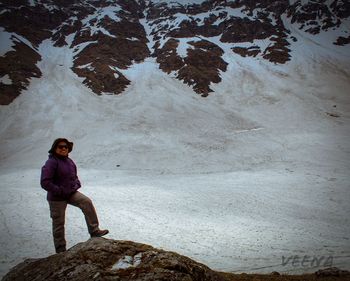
191 41
256 171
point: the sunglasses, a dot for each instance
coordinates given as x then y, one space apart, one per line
61 146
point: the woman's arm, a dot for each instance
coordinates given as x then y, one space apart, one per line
47 176
77 181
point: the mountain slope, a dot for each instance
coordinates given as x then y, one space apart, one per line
189 40
148 52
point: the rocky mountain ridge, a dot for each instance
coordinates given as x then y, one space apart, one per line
186 40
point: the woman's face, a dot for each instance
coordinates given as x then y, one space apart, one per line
62 149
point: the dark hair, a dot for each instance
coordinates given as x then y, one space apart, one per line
57 141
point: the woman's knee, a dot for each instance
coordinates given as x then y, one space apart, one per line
80 200
87 201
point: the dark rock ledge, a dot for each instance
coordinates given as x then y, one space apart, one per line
105 259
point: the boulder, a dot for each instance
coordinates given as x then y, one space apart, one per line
106 259
332 271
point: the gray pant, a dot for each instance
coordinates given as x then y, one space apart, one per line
57 213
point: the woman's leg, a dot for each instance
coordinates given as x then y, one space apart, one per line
57 214
85 204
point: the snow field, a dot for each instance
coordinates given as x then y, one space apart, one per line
239 221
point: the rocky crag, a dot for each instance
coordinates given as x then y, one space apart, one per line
104 259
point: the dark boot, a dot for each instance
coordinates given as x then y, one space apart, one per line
60 249
99 233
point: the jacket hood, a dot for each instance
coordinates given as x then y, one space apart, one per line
57 141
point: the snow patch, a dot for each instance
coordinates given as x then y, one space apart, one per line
50 7
110 11
92 22
32 3
6 42
4 11
148 31
183 46
6 80
178 2
133 39
128 261
78 48
21 39
116 75
317 45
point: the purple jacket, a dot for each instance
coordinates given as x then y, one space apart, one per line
59 178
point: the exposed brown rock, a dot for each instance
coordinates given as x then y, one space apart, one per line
65 29
332 271
202 66
102 79
168 58
278 52
341 41
331 114
127 44
20 66
314 16
161 10
245 30
123 42
314 30
103 259
341 8
199 68
251 51
33 23
231 29
186 28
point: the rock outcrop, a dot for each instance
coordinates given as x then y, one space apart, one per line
105 259
333 272
19 65
101 259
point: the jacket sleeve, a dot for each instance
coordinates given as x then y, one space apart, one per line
77 181
47 176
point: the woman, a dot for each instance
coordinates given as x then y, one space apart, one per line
59 178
